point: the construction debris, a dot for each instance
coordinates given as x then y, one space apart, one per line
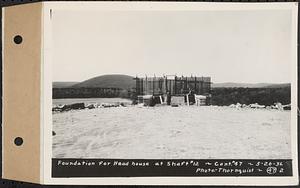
277 106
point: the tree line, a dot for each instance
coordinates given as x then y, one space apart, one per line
263 96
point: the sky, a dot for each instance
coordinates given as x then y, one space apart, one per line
230 46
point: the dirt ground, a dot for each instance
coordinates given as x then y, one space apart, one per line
165 132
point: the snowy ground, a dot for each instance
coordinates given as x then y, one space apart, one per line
188 132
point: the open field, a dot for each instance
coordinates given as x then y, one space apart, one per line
204 132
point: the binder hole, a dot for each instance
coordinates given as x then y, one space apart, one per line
18 39
18 141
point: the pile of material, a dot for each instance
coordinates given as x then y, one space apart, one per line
277 106
177 100
108 105
200 100
150 100
80 106
67 107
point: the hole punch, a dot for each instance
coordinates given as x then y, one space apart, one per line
18 39
18 141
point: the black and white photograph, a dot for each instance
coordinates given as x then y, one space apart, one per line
172 84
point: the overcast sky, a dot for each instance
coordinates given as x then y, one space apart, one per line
229 46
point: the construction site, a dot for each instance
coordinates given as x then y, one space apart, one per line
173 90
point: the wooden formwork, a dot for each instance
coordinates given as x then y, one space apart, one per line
173 86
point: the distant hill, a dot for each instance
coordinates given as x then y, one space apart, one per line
113 80
125 82
279 85
63 84
248 85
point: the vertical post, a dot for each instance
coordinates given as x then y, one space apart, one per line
186 83
175 88
195 84
160 98
142 86
187 100
153 85
202 85
146 86
170 85
209 85
137 86
166 79
181 85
